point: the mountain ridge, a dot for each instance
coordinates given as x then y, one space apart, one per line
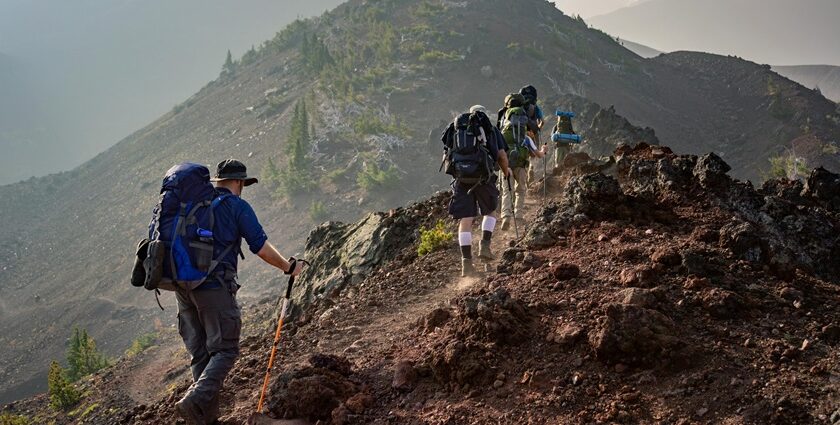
70 236
715 27
824 77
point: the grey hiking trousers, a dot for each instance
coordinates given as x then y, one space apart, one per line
209 322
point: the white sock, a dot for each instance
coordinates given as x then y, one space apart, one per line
488 224
465 238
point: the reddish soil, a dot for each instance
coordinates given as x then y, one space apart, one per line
648 306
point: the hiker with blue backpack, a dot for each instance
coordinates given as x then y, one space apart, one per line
563 136
515 124
193 249
473 152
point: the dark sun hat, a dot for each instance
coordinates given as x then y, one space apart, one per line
231 169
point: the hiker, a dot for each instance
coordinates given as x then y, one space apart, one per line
472 151
562 147
537 118
514 124
209 318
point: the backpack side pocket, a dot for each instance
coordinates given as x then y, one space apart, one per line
153 264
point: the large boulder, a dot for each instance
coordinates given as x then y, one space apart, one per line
634 335
711 170
743 239
345 254
823 187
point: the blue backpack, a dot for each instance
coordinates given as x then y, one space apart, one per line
180 248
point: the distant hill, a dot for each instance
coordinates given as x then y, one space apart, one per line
766 31
587 8
376 78
826 77
640 49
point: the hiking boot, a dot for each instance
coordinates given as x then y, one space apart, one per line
189 411
467 268
484 251
212 412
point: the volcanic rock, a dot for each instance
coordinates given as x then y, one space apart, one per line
634 335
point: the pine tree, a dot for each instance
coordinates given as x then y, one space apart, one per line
82 356
230 66
270 174
295 178
63 394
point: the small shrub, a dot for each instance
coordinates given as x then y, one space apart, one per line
373 178
63 395
337 176
370 124
7 418
787 166
276 104
317 212
830 149
141 344
434 239
436 56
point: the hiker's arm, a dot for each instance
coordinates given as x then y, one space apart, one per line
540 153
502 159
270 255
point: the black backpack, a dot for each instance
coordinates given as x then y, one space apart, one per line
468 158
530 94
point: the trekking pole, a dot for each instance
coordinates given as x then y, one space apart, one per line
545 175
512 209
280 319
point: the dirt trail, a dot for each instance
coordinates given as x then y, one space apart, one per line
396 319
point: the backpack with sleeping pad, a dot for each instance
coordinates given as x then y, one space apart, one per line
179 251
514 126
468 158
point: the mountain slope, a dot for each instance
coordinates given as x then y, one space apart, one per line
775 31
641 49
373 93
824 77
657 291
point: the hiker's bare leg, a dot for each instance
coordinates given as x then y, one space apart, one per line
519 188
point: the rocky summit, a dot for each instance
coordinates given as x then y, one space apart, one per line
658 290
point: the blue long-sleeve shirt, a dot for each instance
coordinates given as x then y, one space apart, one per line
235 220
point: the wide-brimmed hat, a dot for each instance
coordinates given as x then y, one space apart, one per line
231 169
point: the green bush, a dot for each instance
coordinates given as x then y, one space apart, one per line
317 212
83 411
141 344
63 395
434 239
787 166
372 178
436 56
7 418
82 356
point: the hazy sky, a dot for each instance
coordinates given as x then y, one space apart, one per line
90 72
588 8
775 32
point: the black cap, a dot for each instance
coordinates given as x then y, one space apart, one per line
231 169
